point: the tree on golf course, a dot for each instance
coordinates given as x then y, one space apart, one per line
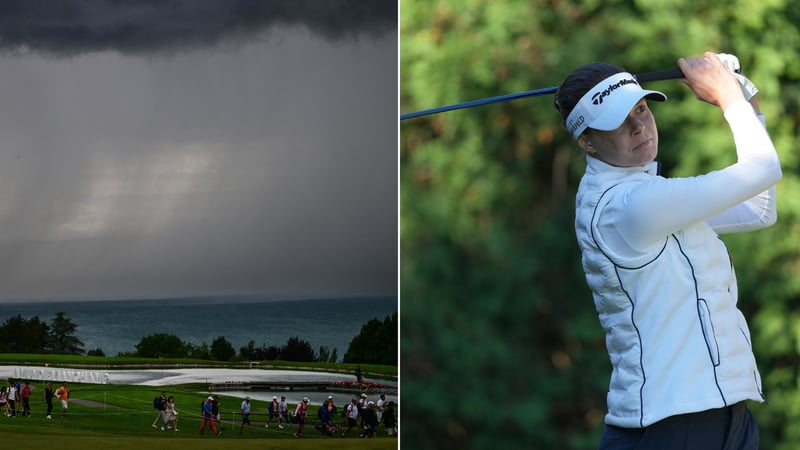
222 349
21 335
376 343
62 339
162 345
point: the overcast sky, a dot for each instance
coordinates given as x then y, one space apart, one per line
149 150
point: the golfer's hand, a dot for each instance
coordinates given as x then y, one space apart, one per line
710 80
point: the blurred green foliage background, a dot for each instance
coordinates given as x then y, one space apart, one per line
500 343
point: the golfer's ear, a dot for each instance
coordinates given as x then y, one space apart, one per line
585 144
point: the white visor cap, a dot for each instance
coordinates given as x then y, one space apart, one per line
606 105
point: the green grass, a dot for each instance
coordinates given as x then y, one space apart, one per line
120 417
24 440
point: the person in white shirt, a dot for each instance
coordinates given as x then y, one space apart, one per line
283 411
246 408
12 399
351 411
379 407
172 415
662 280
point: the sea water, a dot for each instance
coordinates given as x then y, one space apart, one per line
116 326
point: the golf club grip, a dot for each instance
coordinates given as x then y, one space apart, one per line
670 74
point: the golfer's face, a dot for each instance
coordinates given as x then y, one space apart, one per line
634 143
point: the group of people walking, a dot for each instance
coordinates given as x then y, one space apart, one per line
19 393
278 409
168 415
369 413
361 414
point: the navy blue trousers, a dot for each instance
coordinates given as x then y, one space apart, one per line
729 428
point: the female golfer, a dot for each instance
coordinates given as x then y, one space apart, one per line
662 280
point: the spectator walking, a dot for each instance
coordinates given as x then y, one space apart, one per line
26 399
325 417
160 404
49 393
171 415
379 407
301 413
4 400
215 409
13 395
362 405
274 411
18 387
283 411
63 395
370 420
362 401
246 408
351 412
208 417
332 407
388 418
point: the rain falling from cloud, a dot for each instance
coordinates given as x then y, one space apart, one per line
181 148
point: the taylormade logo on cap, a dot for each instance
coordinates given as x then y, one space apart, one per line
597 98
606 105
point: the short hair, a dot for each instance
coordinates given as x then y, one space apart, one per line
578 83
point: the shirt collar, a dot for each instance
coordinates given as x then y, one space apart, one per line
651 168
654 168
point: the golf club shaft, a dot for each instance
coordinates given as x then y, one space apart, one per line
670 74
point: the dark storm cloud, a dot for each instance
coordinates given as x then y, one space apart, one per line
68 27
168 148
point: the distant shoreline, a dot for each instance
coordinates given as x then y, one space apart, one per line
203 299
116 326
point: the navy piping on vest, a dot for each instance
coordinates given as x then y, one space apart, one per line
755 376
697 296
749 344
760 392
594 238
641 345
630 299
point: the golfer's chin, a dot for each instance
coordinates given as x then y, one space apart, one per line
646 152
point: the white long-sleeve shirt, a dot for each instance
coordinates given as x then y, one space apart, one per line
663 284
